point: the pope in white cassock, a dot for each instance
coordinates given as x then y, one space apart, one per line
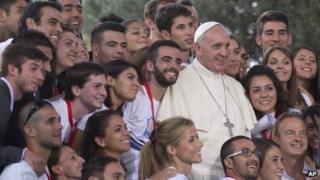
214 101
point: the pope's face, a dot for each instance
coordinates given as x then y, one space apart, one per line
213 48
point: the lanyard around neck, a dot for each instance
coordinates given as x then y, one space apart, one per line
71 123
149 94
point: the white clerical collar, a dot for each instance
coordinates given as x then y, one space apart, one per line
11 92
203 70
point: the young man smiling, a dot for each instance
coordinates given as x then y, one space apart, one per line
272 30
45 17
240 159
163 66
85 92
175 23
21 73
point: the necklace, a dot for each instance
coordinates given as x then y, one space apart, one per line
228 124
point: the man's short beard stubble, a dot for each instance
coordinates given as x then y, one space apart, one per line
162 80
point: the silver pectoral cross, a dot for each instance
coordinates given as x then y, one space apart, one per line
229 125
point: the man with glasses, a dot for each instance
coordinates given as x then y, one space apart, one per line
214 101
291 134
21 73
240 159
41 127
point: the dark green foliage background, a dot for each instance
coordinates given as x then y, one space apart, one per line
238 15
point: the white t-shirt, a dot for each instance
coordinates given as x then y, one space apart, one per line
3 46
179 177
138 117
83 122
306 99
264 125
210 100
306 169
61 107
21 171
227 178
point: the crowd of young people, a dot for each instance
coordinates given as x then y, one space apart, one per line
166 97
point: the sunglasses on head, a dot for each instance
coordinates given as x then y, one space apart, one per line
36 105
246 153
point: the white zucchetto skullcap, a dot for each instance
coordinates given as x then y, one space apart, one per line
204 28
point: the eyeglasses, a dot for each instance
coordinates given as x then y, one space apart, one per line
36 105
246 153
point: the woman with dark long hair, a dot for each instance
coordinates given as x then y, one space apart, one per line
312 119
105 134
122 83
280 60
307 67
267 97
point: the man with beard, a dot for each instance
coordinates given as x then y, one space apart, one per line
41 127
240 159
163 64
214 101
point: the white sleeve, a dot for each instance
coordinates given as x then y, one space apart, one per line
138 116
83 122
19 170
179 177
